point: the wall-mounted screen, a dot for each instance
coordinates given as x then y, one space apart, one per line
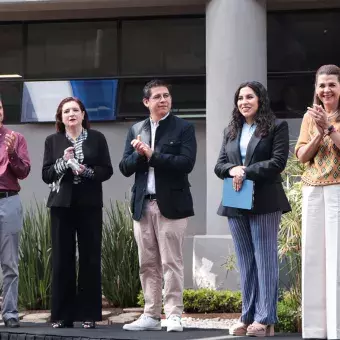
40 99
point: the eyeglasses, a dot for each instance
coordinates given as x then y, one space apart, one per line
160 96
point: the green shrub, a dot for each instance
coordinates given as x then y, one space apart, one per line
211 301
207 301
289 314
35 259
290 246
120 268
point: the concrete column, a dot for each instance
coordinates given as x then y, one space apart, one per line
235 52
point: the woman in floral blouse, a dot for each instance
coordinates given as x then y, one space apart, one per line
318 147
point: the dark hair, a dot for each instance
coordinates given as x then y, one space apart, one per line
328 70
264 118
58 117
154 83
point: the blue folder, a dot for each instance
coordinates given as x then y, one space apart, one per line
242 199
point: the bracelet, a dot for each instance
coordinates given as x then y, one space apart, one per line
330 130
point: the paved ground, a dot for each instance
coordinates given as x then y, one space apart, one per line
115 332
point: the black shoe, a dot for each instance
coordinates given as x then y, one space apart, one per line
12 323
62 324
88 324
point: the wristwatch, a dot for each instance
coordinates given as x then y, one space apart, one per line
330 130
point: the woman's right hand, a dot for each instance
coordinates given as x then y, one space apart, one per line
237 171
68 153
319 119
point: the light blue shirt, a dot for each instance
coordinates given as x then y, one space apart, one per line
246 134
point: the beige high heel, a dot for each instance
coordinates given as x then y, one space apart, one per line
259 330
238 329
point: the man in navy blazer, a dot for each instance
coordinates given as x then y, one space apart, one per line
161 152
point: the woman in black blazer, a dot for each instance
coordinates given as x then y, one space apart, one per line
76 162
255 147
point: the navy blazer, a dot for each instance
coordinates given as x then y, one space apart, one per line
266 158
96 155
173 159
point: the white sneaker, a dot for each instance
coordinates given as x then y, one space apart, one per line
174 324
144 323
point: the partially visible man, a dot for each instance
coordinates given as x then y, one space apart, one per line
161 152
14 165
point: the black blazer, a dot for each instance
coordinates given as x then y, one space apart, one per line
173 159
96 156
266 158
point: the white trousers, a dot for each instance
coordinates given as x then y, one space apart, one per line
320 262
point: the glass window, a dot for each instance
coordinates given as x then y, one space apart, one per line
11 56
290 94
303 40
163 46
11 94
188 97
73 49
130 98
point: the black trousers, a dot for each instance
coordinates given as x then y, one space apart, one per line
72 300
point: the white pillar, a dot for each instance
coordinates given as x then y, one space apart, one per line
236 52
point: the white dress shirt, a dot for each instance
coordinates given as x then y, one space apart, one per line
151 185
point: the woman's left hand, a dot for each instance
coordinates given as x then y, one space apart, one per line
237 183
319 115
80 171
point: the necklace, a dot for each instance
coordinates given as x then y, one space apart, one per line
332 115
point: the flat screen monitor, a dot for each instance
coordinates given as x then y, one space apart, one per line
40 99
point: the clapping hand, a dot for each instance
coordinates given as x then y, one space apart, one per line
141 147
318 113
10 142
138 145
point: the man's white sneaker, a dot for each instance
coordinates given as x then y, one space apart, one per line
144 323
174 324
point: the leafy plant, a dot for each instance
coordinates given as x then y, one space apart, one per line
207 301
230 264
290 237
120 267
35 259
289 315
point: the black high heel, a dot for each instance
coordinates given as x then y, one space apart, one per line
88 324
62 324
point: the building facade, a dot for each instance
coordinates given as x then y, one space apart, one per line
105 50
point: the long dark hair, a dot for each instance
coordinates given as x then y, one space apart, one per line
58 117
264 117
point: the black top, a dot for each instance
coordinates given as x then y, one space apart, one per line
266 158
89 191
173 159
